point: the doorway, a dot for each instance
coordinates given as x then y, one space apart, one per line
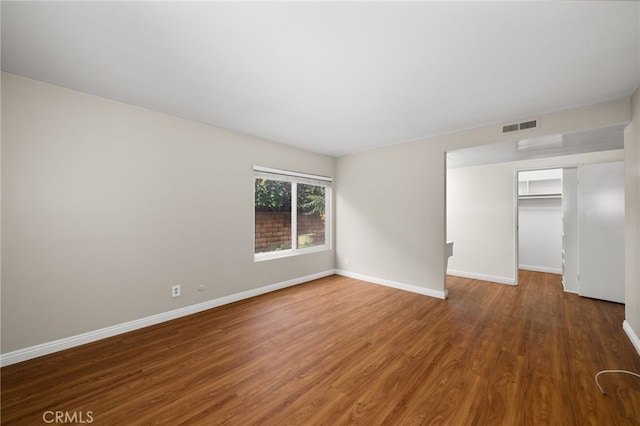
481 196
539 223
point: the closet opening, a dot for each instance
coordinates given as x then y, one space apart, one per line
539 220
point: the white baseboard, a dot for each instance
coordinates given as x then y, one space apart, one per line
541 269
482 277
92 336
388 283
632 335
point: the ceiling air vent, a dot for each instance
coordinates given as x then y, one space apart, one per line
510 128
531 124
516 127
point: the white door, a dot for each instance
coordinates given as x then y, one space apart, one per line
601 231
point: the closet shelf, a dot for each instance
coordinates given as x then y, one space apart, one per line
538 196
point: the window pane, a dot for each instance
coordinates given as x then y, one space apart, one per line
310 216
273 215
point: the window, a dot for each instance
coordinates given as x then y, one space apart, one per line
292 213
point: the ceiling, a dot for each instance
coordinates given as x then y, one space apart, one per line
334 78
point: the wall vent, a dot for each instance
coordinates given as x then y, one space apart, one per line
524 125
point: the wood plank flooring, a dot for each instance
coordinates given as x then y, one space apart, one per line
340 351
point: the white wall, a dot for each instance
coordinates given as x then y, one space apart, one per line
386 202
632 218
480 222
390 219
540 234
106 205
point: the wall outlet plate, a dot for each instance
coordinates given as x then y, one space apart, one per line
175 290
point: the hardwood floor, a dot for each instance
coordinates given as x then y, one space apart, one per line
340 351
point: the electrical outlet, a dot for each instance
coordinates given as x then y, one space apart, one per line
175 290
346 260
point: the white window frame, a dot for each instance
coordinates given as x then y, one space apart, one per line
295 178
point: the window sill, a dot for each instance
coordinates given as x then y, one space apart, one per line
259 257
